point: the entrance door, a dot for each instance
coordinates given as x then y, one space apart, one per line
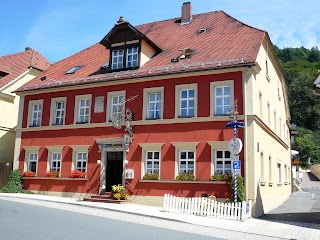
114 169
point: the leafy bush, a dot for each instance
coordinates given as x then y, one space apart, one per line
15 183
221 177
151 176
185 177
28 174
77 174
241 190
52 174
119 192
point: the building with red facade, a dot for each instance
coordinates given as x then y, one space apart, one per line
179 78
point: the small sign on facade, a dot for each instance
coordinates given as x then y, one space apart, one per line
236 165
99 104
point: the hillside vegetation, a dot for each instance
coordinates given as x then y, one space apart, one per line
300 66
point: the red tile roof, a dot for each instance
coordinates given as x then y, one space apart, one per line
226 42
16 64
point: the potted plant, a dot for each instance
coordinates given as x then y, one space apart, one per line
28 174
151 176
220 177
52 174
119 192
77 174
186 176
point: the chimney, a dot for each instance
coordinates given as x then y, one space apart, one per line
186 13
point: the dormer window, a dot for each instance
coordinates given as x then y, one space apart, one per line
125 56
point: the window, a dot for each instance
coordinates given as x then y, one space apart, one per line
280 131
154 106
35 113
73 70
268 106
262 167
81 161
32 162
132 57
114 100
186 162
279 172
186 100
270 170
117 59
153 103
58 106
222 162
55 161
267 70
260 105
285 173
275 122
221 97
83 109
152 162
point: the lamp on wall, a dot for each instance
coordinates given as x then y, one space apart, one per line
99 161
125 162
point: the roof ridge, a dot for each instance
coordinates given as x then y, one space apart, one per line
247 25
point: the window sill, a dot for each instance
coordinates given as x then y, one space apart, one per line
270 184
82 122
152 118
186 116
55 178
286 183
34 126
263 183
57 124
279 97
178 181
279 184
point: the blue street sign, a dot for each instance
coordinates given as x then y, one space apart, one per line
236 165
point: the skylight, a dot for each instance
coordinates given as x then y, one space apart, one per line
73 70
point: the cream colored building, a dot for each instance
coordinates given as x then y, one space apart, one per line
15 71
267 135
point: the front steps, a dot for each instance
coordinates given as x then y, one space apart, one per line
106 198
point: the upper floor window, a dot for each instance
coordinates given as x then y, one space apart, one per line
117 59
132 57
115 101
125 57
58 106
35 113
83 108
222 97
186 106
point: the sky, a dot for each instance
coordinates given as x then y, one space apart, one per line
60 28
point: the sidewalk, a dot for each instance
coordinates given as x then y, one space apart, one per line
262 229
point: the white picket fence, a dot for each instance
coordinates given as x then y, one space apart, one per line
206 207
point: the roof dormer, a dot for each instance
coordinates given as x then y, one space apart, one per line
129 48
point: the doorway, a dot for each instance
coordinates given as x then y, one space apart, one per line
114 169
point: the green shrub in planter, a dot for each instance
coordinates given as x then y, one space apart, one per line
15 183
151 176
185 177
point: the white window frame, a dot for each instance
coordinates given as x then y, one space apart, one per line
216 146
53 110
146 94
79 149
77 108
31 150
260 106
224 159
179 88
110 96
117 56
262 167
150 147
217 84
32 103
33 160
135 52
268 109
185 146
187 160
51 151
279 172
152 160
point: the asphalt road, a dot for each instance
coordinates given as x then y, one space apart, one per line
25 221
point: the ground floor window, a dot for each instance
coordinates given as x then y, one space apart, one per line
279 172
186 162
152 162
56 162
222 162
32 162
81 161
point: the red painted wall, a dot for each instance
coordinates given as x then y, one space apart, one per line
163 133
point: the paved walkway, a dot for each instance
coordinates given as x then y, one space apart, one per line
255 228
